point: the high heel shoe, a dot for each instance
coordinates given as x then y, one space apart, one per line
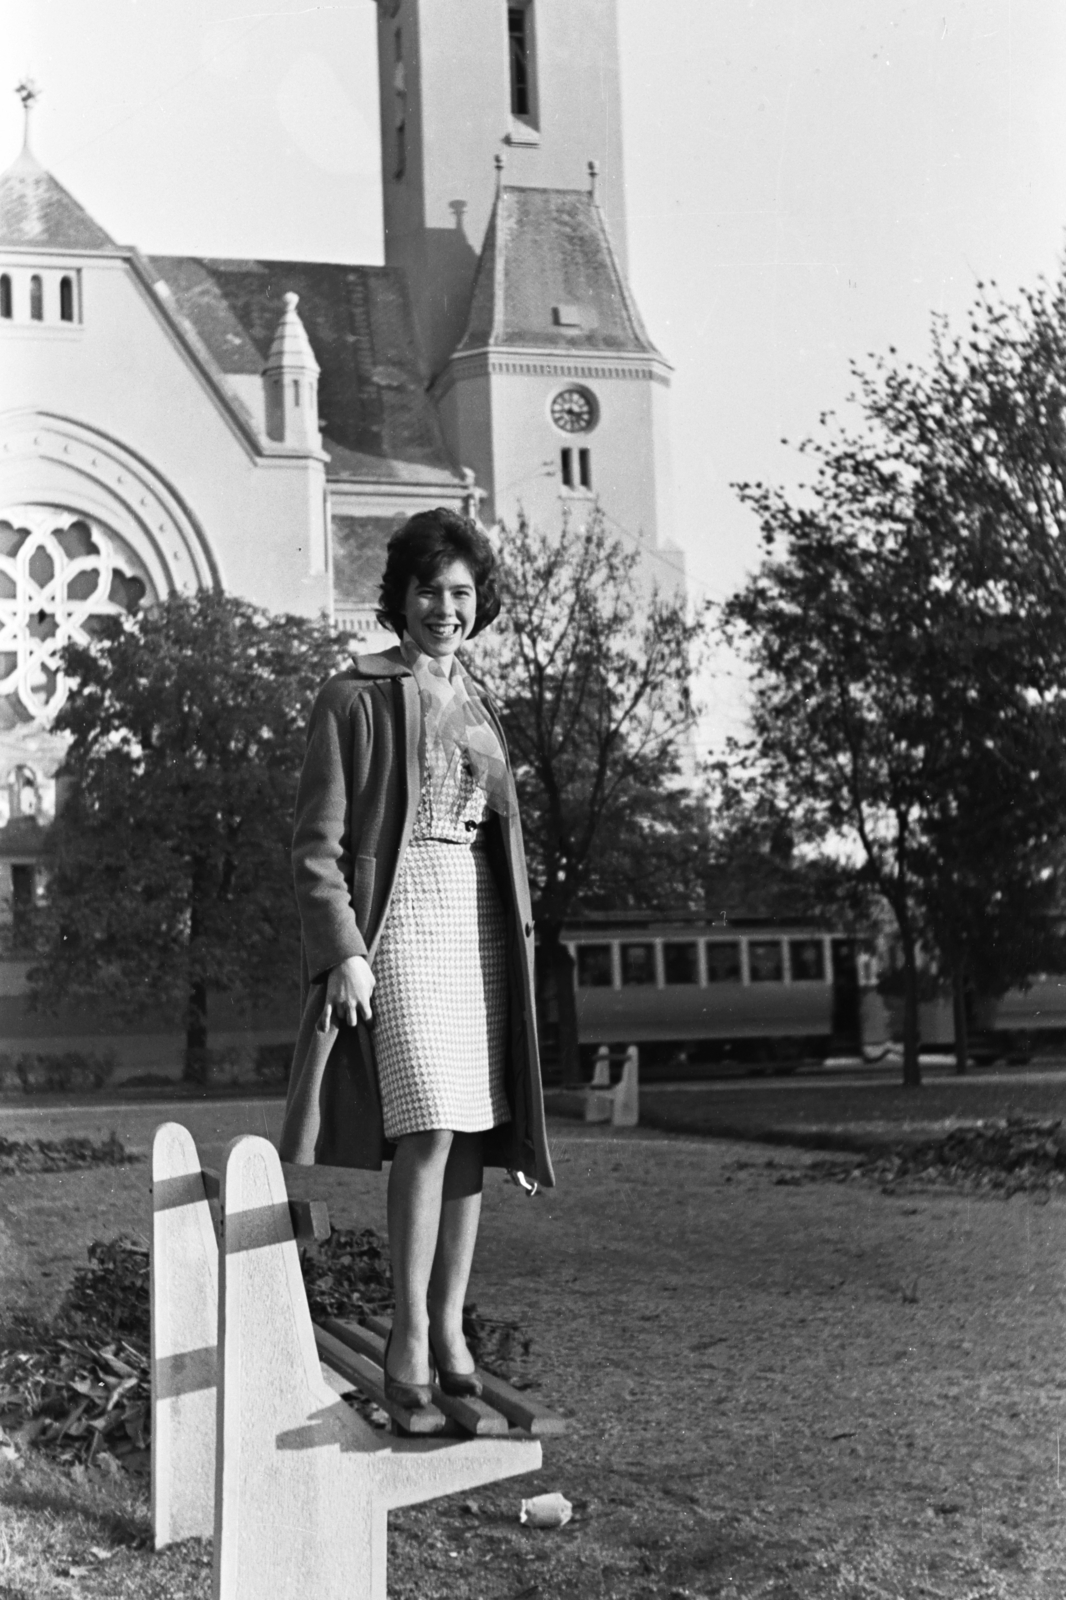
411 1396
464 1385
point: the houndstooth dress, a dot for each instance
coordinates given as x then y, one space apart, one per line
440 998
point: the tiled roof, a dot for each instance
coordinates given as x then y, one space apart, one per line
548 278
36 210
377 419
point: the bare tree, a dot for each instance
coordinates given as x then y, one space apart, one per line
592 676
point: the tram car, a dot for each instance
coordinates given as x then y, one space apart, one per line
757 994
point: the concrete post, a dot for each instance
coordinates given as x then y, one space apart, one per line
303 1485
625 1108
184 1297
601 1072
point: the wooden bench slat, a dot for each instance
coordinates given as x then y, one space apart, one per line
473 1416
364 1375
309 1218
517 1407
310 1221
361 1350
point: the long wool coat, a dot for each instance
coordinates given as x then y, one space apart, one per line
355 809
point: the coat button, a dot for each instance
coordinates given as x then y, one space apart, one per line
529 929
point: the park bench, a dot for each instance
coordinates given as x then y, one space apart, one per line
251 1443
615 1102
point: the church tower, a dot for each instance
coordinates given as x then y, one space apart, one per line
504 206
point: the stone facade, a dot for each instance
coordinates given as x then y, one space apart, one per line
261 426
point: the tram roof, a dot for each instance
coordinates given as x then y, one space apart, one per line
617 924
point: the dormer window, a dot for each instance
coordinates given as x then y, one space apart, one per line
66 299
36 298
5 297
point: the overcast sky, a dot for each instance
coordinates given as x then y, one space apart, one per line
807 179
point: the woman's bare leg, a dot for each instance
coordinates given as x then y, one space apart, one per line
416 1187
457 1236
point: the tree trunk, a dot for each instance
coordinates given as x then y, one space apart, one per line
196 1067
962 1038
912 1071
561 966
196 1032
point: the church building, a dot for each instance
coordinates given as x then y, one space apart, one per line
261 427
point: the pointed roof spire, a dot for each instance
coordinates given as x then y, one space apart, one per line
36 210
291 348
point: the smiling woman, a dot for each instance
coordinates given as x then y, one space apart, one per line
418 1041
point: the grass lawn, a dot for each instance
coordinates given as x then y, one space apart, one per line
777 1392
821 1113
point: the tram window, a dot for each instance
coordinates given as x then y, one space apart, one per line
806 959
638 963
680 964
766 960
723 961
594 966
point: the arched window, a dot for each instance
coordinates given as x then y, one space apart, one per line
296 391
5 296
399 91
66 300
36 299
522 54
24 792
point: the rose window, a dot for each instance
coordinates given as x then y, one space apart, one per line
59 574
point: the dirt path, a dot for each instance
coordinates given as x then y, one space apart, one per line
776 1390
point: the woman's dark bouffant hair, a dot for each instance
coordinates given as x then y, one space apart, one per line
427 542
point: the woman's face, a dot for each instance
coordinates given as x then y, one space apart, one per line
439 612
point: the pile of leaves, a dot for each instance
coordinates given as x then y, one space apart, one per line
499 1346
1002 1156
79 1387
348 1275
63 1155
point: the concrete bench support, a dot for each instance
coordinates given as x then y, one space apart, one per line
250 1440
620 1105
184 1297
304 1485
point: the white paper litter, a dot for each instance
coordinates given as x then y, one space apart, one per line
546 1511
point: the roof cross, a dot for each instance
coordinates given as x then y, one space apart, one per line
29 94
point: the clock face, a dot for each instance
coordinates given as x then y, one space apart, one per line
573 410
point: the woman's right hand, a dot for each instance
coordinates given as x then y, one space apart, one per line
348 989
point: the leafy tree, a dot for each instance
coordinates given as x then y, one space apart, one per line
592 676
907 634
168 864
761 863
